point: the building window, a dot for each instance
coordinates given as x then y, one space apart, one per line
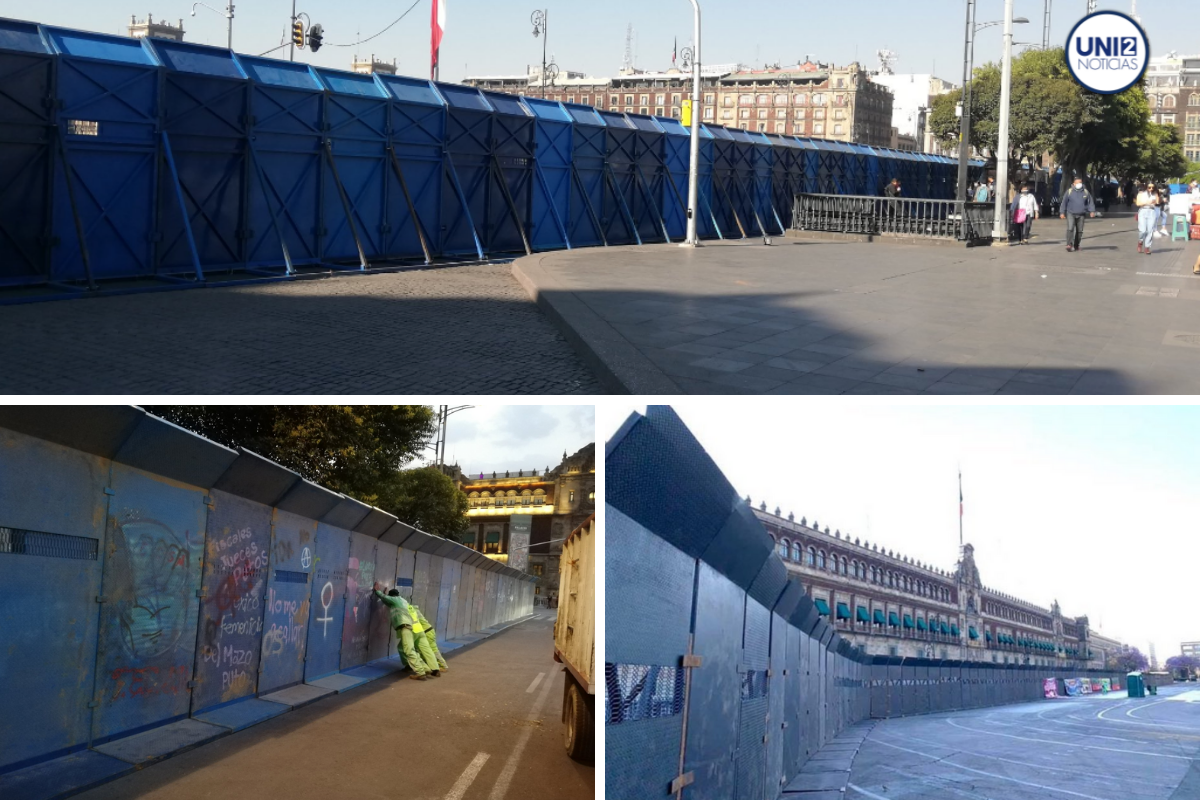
728 101
801 99
744 113
818 100
745 99
764 99
812 557
584 99
782 548
491 542
571 496
726 114
800 113
660 99
781 113
841 82
628 99
762 113
628 109
616 98
675 99
708 99
821 559
536 569
708 113
796 551
818 113
837 128
658 112
645 100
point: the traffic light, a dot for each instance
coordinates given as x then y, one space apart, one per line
314 37
298 33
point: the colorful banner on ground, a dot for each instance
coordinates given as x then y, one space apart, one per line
1085 685
1095 684
1050 688
1105 686
1074 688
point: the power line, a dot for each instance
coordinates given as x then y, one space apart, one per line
381 33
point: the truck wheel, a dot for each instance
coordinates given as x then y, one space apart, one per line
580 731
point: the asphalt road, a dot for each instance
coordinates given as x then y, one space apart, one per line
488 729
1083 748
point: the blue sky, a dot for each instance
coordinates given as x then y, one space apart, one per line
1095 506
495 37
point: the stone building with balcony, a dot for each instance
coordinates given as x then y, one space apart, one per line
890 604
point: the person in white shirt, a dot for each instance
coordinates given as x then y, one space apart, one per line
1147 204
1024 208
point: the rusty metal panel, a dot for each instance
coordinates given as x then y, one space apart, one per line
379 643
327 602
360 576
46 681
289 598
236 563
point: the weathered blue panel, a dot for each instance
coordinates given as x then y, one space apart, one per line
360 577
676 160
236 564
56 492
453 591
469 170
153 558
752 717
551 197
513 145
327 602
621 226
420 579
433 593
379 644
777 688
449 576
418 129
289 593
27 155
588 217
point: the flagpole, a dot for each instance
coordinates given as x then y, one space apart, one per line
960 510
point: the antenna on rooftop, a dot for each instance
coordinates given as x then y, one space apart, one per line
627 61
886 59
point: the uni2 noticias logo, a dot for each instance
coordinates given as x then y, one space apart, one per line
1107 52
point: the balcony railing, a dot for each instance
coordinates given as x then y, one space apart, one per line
862 214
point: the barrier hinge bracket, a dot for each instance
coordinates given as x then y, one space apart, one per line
108 491
686 779
101 598
93 703
208 501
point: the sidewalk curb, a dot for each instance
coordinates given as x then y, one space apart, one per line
51 780
621 367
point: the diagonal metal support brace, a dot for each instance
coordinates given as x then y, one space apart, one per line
498 173
362 255
587 203
183 211
448 161
83 250
262 180
412 209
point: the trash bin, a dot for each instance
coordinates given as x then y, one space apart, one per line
1135 684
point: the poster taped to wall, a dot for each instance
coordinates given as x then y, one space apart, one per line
1074 689
1085 685
1050 688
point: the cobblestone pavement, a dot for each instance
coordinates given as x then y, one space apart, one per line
825 317
460 330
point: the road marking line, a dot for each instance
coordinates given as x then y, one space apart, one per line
992 774
536 681
865 793
1129 713
1068 744
468 777
510 766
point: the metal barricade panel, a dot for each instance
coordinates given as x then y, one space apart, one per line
379 642
445 604
417 129
433 594
236 563
360 601
777 693
328 602
52 515
751 755
289 593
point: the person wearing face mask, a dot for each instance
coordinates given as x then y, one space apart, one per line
1147 203
1024 212
1076 206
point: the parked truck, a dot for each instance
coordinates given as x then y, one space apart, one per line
575 639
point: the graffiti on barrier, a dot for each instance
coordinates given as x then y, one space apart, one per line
325 603
149 567
149 681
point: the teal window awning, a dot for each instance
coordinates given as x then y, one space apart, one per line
863 616
974 634
822 606
893 619
843 611
953 629
878 617
920 624
908 622
944 628
988 635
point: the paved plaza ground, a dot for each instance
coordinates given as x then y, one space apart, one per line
824 317
460 330
1087 748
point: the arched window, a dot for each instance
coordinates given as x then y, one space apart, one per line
891 579
872 573
812 556
821 559
1169 101
782 548
796 552
843 565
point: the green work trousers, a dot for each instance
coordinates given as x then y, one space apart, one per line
407 645
429 649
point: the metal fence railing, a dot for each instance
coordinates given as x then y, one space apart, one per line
934 219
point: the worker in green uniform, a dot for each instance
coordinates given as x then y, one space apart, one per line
404 620
427 641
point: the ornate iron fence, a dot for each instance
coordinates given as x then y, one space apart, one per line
919 217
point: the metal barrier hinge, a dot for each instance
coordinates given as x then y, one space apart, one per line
101 599
93 703
693 661
108 491
686 779
770 673
208 501
201 594
193 684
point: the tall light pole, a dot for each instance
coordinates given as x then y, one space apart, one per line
227 13
693 239
964 124
439 445
539 20
1000 230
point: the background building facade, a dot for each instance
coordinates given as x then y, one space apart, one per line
554 502
890 604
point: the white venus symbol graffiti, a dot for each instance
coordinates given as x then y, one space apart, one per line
305 558
325 603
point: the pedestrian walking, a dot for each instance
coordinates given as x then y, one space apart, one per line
1077 205
1024 212
1164 201
991 189
893 189
1147 203
981 193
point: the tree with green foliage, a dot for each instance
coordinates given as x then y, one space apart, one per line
1052 115
427 499
360 451
1192 172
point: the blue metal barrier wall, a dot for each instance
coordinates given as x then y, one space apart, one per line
173 162
724 662
179 576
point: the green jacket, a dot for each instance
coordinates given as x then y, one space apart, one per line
399 611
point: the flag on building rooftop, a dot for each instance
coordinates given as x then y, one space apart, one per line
437 27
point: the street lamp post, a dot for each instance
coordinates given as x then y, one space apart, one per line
964 124
1000 231
227 13
693 239
539 20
